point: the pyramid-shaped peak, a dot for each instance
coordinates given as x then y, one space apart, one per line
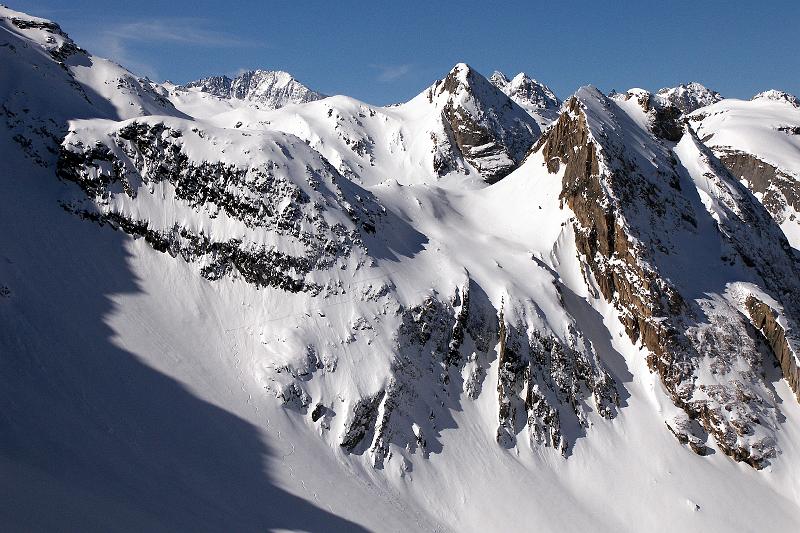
499 79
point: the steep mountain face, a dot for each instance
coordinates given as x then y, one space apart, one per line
664 110
759 142
270 89
265 208
644 214
482 125
334 315
534 97
659 115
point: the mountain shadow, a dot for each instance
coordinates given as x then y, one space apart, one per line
91 438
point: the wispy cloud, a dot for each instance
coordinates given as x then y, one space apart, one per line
176 30
390 73
117 40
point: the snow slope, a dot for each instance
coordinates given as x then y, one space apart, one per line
759 140
301 322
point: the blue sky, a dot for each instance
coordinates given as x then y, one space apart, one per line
384 52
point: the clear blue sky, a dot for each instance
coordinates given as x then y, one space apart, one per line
384 52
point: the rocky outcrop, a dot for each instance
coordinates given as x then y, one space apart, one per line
766 320
543 384
444 346
141 157
482 125
632 213
777 189
663 115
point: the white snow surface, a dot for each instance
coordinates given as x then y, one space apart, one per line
752 126
137 395
767 127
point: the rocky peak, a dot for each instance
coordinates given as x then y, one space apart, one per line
482 125
526 91
499 79
273 89
778 96
533 96
689 96
641 96
638 211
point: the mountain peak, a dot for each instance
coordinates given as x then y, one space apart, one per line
778 96
533 96
489 130
271 88
526 90
499 79
689 96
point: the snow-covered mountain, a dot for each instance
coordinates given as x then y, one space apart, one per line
535 97
270 89
759 141
689 97
217 314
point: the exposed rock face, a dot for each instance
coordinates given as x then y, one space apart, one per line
271 89
545 387
633 214
482 125
542 382
663 115
534 97
142 159
59 48
784 344
777 188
